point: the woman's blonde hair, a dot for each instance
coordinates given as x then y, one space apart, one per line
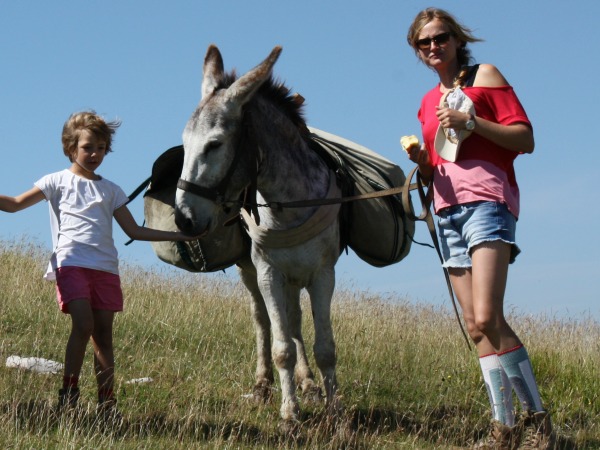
459 31
89 121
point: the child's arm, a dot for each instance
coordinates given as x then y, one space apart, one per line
134 231
25 200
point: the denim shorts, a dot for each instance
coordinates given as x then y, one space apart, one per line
462 227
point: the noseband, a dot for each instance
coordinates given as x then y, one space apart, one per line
216 194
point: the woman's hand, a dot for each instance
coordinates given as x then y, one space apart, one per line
420 156
452 118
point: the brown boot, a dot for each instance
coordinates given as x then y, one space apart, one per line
501 437
537 431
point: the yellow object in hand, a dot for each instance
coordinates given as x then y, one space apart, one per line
407 142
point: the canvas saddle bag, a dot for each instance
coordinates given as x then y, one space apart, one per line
226 245
377 229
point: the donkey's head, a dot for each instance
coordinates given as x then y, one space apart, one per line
215 168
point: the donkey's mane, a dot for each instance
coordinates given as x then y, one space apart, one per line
276 92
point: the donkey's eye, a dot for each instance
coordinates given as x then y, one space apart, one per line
212 145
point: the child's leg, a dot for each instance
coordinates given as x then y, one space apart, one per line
104 362
82 325
81 330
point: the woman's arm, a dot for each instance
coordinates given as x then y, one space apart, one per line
25 200
517 137
126 221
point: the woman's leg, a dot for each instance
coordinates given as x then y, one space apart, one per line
497 384
462 283
490 269
490 272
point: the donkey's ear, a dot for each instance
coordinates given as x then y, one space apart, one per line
213 70
242 90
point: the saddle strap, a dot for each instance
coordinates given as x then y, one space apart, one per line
319 221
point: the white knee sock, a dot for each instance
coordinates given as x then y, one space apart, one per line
499 389
517 366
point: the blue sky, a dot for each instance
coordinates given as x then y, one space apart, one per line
141 62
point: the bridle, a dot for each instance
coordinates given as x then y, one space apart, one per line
246 145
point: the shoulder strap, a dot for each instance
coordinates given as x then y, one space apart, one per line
470 77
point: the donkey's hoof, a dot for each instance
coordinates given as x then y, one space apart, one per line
289 428
335 408
262 393
345 428
313 395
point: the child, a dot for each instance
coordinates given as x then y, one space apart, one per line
84 262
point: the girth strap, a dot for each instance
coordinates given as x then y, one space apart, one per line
319 221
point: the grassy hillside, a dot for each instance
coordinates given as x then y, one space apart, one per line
406 376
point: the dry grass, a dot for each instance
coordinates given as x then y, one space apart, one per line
406 376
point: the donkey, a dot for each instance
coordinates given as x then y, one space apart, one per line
247 139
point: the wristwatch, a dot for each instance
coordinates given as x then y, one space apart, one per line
470 125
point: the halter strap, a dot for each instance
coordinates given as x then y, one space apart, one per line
213 193
209 193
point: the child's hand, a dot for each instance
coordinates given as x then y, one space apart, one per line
187 237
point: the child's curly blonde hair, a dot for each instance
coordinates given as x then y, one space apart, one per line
92 122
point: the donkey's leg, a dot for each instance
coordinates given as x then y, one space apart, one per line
304 376
272 286
263 388
321 292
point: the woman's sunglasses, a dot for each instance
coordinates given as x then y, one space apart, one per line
440 39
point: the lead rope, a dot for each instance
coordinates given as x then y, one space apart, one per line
427 217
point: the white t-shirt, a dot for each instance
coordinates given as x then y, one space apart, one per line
81 215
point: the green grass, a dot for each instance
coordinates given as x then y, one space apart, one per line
406 376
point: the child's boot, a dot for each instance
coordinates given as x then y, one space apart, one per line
67 399
107 411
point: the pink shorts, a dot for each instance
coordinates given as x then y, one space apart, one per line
102 289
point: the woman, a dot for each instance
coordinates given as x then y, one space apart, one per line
477 200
